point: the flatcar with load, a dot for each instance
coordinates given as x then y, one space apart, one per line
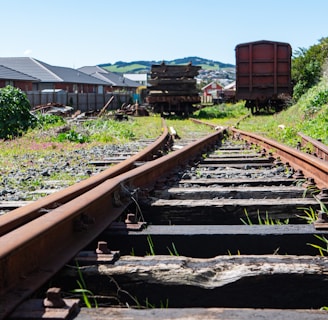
173 89
263 74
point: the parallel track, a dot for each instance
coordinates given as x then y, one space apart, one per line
86 211
320 150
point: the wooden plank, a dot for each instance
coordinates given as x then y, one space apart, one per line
239 281
211 240
209 273
13 204
223 211
265 181
237 154
199 314
242 160
247 165
258 192
35 309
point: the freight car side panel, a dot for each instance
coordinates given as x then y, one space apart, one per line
263 70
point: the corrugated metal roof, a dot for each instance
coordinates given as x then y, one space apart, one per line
10 74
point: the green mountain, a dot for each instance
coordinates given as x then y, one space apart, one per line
144 66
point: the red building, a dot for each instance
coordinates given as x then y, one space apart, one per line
212 89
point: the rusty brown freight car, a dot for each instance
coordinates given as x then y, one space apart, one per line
263 74
173 89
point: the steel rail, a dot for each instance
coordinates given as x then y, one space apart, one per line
216 126
311 167
22 215
320 149
31 254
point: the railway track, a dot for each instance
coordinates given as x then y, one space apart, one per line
314 147
192 207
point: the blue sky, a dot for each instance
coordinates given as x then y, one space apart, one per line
76 33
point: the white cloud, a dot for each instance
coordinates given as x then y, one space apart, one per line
27 52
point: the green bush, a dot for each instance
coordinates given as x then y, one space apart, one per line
73 136
15 116
221 111
46 121
308 66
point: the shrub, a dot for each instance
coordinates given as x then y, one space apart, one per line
73 136
46 121
15 116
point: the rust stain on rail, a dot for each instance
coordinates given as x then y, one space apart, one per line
312 167
32 211
32 253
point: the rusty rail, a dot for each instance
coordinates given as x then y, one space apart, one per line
311 167
32 253
32 211
320 149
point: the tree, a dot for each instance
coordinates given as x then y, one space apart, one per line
15 116
307 66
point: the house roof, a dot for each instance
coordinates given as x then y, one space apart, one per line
231 85
113 79
72 75
210 84
47 73
31 67
92 69
10 74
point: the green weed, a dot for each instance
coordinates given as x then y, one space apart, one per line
174 251
262 221
83 290
150 245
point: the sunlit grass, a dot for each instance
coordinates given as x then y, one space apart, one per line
301 117
37 144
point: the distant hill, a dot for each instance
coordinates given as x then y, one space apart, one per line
144 66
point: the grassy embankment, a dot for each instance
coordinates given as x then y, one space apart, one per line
309 116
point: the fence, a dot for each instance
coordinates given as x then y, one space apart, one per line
206 99
84 102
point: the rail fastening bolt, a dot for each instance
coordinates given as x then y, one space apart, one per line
130 218
323 195
322 217
54 299
102 248
310 182
298 174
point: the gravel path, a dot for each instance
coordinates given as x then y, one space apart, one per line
37 176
